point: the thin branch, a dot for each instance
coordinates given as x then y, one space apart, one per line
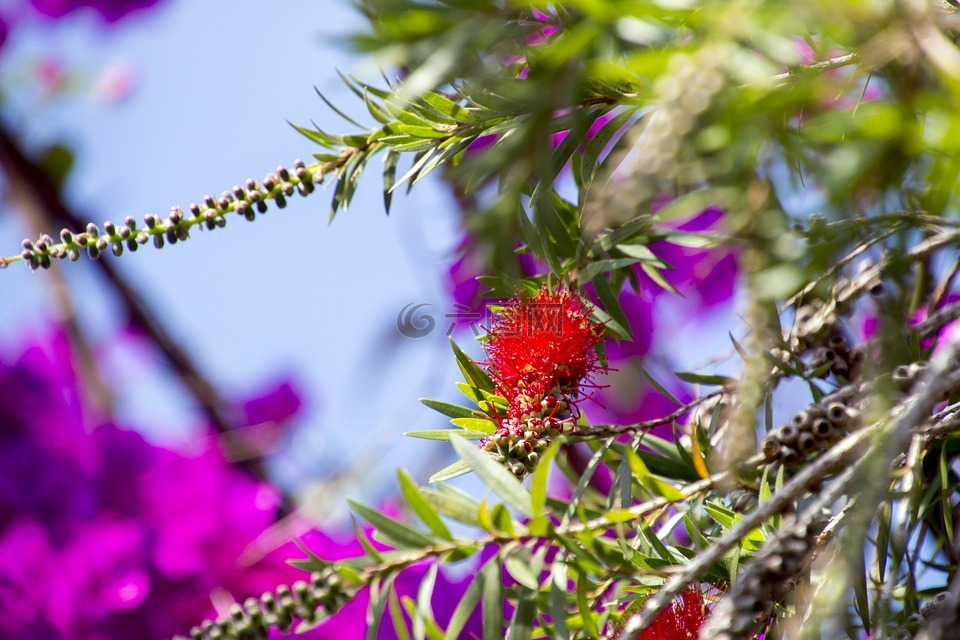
33 180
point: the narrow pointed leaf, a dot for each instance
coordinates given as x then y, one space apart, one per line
427 514
497 478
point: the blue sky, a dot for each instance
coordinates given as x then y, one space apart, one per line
288 295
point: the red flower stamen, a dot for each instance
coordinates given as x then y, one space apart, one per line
542 344
540 353
682 620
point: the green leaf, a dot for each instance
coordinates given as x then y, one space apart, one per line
479 425
723 516
640 252
541 475
655 275
461 615
558 600
520 569
399 533
470 391
448 409
320 137
338 111
657 544
521 625
492 600
364 541
495 476
424 611
453 503
418 164
458 468
560 156
627 231
396 615
390 160
427 514
610 303
698 539
444 434
584 483
659 387
423 132
601 140
501 521
654 485
448 107
597 267
586 611
703 378
472 372
379 113
379 592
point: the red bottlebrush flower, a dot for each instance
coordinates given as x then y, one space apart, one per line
682 620
543 343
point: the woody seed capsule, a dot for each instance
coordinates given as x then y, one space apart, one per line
806 443
788 434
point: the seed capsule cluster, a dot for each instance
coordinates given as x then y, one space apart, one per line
838 358
814 325
521 439
246 201
934 616
255 619
936 606
815 428
767 579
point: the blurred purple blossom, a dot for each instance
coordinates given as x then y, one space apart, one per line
108 10
104 535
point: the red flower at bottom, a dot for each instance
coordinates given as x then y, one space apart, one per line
682 620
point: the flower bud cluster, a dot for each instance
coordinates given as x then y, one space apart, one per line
521 439
540 353
766 580
246 201
816 427
258 616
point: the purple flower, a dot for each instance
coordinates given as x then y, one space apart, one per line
706 277
104 535
109 10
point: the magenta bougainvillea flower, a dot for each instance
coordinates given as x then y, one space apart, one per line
109 10
105 535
